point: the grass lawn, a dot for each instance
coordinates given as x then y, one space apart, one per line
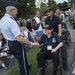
31 60
14 71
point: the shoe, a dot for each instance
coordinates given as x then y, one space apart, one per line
3 67
0 67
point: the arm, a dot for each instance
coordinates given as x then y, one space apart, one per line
59 29
24 41
59 43
57 47
6 46
38 21
59 26
17 33
4 43
41 40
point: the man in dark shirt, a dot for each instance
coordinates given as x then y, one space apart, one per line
54 21
52 42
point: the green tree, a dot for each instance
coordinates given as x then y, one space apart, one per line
27 7
65 4
53 4
70 3
2 8
43 8
60 5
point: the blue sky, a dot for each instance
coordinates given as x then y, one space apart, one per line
60 1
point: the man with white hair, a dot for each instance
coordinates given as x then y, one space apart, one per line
12 33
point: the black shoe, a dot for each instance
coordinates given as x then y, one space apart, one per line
3 67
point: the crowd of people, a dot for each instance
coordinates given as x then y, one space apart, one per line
48 32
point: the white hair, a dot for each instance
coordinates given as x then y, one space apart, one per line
8 8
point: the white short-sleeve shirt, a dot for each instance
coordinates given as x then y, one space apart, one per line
9 27
63 16
40 26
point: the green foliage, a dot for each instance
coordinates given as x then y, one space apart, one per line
27 8
70 3
65 4
43 9
60 5
53 4
2 8
14 71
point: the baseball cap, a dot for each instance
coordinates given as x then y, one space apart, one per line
12 3
49 27
49 9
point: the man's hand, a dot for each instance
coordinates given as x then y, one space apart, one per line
57 48
59 34
33 44
36 44
53 50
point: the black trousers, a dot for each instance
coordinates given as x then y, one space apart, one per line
43 55
16 50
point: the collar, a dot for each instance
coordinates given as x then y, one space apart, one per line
53 17
9 16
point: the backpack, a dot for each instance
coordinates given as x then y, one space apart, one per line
35 26
28 26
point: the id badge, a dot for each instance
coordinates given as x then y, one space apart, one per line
49 47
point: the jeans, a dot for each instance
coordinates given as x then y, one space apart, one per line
39 33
